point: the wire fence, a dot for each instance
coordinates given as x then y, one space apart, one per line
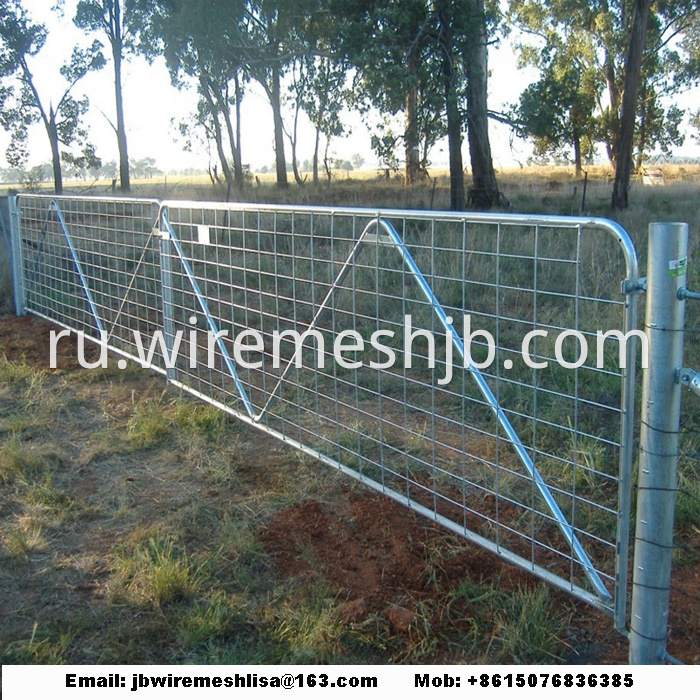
438 358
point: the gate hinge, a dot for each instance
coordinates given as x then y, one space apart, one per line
690 378
687 294
634 286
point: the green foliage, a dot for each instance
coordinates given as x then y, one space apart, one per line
322 94
189 36
695 123
581 49
21 104
557 112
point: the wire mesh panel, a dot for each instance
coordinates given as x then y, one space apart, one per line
92 265
391 345
455 362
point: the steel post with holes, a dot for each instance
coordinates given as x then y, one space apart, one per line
16 257
666 272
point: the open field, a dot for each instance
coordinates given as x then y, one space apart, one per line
553 189
137 525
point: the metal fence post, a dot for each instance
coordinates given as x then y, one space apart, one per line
658 455
16 257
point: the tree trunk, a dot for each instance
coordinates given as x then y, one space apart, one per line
611 137
411 137
275 102
642 131
454 118
316 149
293 140
234 142
454 140
484 193
218 135
52 132
238 150
633 65
578 166
326 162
124 177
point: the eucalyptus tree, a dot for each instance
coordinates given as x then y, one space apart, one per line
628 112
463 29
118 21
220 42
21 102
391 45
625 53
428 62
580 36
557 113
202 44
317 79
479 21
276 35
320 90
651 28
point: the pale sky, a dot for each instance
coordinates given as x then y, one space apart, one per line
152 105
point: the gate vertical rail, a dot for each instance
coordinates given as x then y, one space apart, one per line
16 258
167 287
659 441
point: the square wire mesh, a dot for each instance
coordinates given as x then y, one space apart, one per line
432 443
531 463
93 265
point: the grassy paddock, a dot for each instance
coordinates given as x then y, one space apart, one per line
171 516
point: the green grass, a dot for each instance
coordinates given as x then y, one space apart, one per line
25 537
13 371
42 647
149 424
19 460
157 572
528 630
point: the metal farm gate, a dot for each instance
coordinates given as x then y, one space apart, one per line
457 363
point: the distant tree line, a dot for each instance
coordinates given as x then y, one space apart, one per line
607 69
140 169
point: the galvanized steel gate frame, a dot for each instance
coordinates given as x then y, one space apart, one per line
173 276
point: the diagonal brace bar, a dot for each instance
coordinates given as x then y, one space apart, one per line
79 267
566 529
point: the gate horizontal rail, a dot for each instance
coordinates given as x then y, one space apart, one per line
388 344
